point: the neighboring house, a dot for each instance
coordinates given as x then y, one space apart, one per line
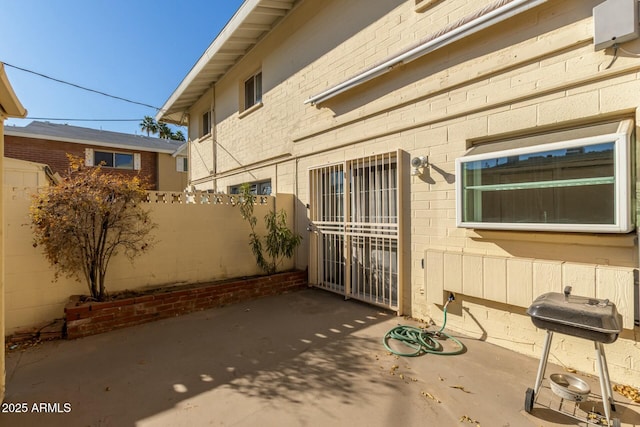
154 159
10 106
484 148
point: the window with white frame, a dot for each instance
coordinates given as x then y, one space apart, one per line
111 159
575 185
262 188
182 164
253 90
206 124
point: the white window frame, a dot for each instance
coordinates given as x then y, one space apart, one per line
89 159
256 98
205 125
622 186
256 186
182 164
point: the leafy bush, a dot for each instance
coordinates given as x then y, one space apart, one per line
82 222
278 244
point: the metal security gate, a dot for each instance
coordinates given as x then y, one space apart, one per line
354 214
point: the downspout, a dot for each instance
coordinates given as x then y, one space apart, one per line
189 157
214 142
296 223
470 24
636 177
157 169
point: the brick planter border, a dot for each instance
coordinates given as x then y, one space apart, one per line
83 319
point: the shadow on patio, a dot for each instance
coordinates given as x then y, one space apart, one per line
280 348
305 358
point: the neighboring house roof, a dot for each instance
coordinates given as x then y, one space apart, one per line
182 150
87 136
10 105
249 24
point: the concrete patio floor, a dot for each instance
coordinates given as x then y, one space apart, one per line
308 358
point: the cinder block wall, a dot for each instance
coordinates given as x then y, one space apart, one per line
195 243
536 72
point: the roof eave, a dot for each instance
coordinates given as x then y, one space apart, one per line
10 105
178 104
9 132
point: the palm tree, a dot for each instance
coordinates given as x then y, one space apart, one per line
179 136
149 125
165 131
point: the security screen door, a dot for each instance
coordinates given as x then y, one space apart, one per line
354 211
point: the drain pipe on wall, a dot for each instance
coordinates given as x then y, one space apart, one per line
636 178
214 139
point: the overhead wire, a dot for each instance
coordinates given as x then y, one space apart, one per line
81 120
81 87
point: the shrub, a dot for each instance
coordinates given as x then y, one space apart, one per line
278 244
86 219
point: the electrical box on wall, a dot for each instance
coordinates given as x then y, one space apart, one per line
615 21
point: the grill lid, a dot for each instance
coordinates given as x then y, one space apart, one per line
576 311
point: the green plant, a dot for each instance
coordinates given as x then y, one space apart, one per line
82 222
279 243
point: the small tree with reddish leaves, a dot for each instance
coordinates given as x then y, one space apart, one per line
86 219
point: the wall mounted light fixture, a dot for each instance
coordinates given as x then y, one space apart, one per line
418 164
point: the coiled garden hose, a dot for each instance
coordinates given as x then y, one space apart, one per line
422 341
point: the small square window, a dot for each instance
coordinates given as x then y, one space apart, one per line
103 158
182 164
206 124
123 161
253 90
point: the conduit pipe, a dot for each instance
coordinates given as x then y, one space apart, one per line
490 15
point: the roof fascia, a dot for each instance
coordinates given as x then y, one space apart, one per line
234 23
8 131
180 150
10 105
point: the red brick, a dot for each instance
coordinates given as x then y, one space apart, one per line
123 313
54 154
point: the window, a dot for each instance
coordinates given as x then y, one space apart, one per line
182 164
206 124
113 160
262 188
572 185
253 90
110 159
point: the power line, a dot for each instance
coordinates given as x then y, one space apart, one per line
82 120
81 87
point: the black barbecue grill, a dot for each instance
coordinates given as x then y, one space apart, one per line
589 318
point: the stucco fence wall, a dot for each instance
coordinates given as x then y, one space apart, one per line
196 243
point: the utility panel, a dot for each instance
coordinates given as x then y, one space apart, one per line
615 21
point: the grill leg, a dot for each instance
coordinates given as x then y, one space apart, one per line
605 381
543 362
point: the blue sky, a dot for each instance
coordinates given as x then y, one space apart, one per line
135 49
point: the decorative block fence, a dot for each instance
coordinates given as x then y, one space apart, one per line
201 238
83 319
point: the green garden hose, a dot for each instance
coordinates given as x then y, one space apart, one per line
421 341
